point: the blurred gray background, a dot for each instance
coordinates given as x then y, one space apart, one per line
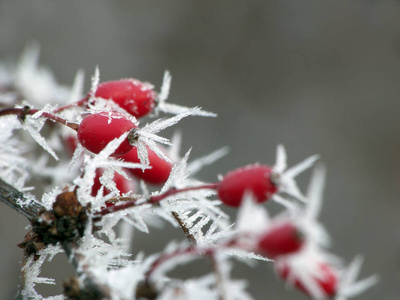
317 76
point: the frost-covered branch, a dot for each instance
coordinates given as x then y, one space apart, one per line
129 202
16 200
114 176
26 110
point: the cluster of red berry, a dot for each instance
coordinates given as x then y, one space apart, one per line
139 99
279 241
97 130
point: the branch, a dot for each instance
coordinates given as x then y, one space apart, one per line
151 200
11 196
26 110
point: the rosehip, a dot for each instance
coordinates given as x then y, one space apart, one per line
97 130
136 97
252 178
326 280
281 239
160 168
123 185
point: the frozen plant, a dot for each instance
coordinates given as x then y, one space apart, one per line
105 174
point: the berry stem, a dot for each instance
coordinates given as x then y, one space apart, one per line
163 258
206 251
75 104
152 199
26 110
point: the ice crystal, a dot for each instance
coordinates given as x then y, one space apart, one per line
13 165
98 255
133 216
165 107
76 92
285 177
251 217
148 137
196 165
348 287
33 124
76 156
95 82
31 271
49 198
199 163
178 175
101 160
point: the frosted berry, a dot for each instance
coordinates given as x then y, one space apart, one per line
160 168
97 130
326 280
136 97
123 185
255 179
281 239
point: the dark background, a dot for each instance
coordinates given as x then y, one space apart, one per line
317 76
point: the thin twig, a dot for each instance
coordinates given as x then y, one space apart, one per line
152 199
195 250
23 112
72 105
190 237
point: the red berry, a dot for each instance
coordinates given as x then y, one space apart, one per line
252 178
281 239
326 280
97 130
123 185
134 96
160 168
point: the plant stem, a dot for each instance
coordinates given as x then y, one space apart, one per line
23 112
207 251
75 104
158 198
158 262
11 196
152 199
